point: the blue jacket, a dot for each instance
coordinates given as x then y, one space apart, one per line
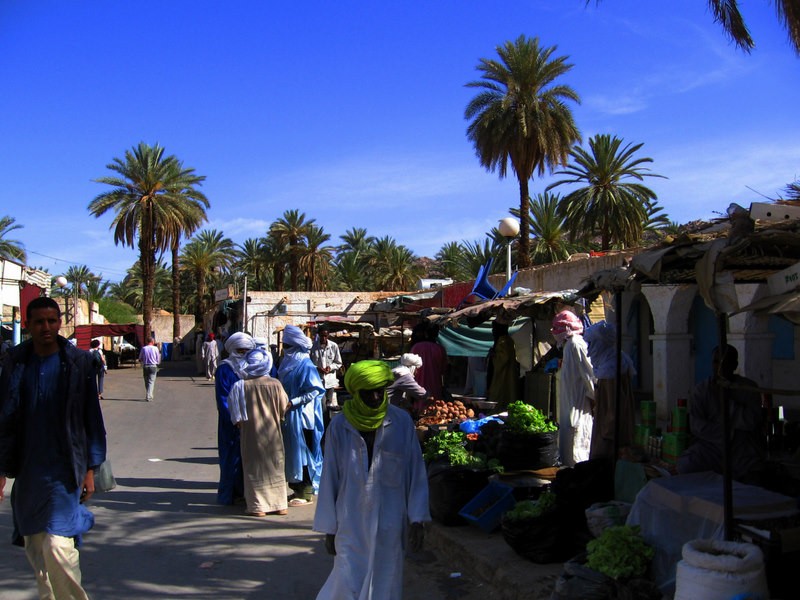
85 434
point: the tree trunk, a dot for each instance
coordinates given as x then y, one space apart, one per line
176 290
201 292
147 258
524 254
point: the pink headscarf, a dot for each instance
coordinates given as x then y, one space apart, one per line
565 325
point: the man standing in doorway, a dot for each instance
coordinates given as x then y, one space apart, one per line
326 357
150 358
52 438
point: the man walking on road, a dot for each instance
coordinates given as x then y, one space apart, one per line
52 438
150 358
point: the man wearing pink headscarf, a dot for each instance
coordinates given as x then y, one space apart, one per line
575 389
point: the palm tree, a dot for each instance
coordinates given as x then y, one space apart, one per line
356 240
176 229
608 205
10 249
131 288
521 117
207 253
151 192
96 289
478 253
394 266
292 229
350 273
252 261
316 259
276 255
792 191
451 260
550 242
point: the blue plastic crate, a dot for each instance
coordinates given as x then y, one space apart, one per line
486 509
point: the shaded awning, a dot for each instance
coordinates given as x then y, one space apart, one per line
538 305
786 305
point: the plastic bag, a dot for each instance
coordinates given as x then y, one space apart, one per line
474 425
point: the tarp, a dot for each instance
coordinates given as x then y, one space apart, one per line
472 341
86 333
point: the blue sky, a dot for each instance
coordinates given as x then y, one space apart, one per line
352 112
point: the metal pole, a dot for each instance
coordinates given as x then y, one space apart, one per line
618 375
724 400
508 260
244 306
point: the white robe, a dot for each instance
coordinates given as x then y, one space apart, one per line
575 385
369 510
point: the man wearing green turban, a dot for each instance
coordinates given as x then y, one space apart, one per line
373 496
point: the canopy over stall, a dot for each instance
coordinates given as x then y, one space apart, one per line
85 333
731 251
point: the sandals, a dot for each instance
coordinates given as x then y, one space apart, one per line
280 512
299 502
256 514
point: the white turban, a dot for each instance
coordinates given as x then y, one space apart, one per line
293 336
411 360
239 340
257 363
261 342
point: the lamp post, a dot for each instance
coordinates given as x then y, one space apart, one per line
62 282
509 229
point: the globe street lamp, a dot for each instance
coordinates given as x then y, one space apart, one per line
62 282
509 229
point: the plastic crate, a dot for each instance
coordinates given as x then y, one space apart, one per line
486 509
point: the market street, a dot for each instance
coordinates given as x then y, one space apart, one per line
160 534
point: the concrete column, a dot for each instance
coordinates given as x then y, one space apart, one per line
749 334
672 365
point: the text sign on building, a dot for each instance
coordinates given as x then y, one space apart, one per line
223 294
784 281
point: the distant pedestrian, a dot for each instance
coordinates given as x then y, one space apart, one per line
257 404
326 357
150 358
51 439
99 363
210 356
231 487
198 352
374 491
431 375
302 434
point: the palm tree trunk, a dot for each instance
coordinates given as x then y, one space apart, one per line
201 292
176 290
147 257
524 254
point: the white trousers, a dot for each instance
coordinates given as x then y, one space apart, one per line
55 562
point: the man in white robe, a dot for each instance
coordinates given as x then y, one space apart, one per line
575 389
374 490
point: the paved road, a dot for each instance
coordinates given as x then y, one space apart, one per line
159 534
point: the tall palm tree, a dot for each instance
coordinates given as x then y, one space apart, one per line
97 289
10 249
207 253
131 288
292 229
521 117
609 204
276 255
356 240
550 242
175 230
451 260
478 253
150 192
394 266
316 259
252 261
349 272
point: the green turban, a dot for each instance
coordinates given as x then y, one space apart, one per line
366 375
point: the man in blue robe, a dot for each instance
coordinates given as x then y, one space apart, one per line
52 438
303 428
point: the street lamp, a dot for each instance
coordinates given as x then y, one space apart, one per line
62 282
509 229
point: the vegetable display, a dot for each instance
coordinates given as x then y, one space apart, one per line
452 446
620 553
524 418
440 412
532 509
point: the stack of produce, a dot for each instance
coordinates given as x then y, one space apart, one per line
529 440
440 412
